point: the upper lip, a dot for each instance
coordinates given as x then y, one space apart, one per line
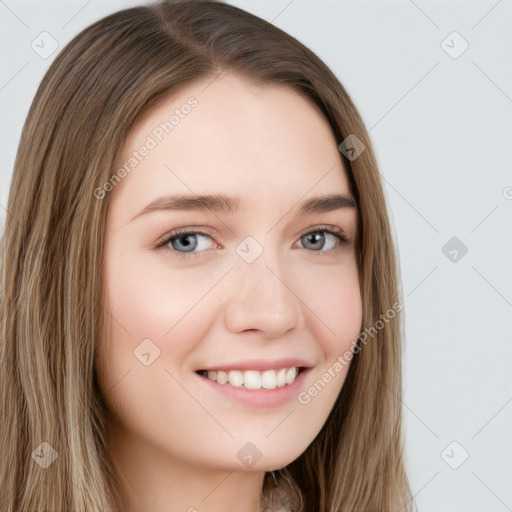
260 364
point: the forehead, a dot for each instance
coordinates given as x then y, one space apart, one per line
266 144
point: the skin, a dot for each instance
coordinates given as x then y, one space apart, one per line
175 440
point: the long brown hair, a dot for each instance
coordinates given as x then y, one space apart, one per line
52 256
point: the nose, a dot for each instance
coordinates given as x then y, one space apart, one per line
262 297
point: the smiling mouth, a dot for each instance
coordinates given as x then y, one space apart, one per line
254 379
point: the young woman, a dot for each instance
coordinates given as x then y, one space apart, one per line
200 302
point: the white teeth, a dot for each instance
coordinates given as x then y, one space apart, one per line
291 373
281 378
253 379
269 379
222 377
236 378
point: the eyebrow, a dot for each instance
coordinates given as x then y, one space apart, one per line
231 205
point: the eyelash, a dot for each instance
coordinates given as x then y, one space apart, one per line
162 242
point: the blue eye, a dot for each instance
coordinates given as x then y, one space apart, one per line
185 239
188 241
184 242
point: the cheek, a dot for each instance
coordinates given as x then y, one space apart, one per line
334 299
153 320
148 298
140 356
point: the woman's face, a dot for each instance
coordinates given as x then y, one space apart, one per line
247 295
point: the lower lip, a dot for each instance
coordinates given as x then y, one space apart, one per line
259 397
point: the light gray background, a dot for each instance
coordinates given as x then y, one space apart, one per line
442 130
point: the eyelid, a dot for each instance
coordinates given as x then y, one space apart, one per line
326 227
191 230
